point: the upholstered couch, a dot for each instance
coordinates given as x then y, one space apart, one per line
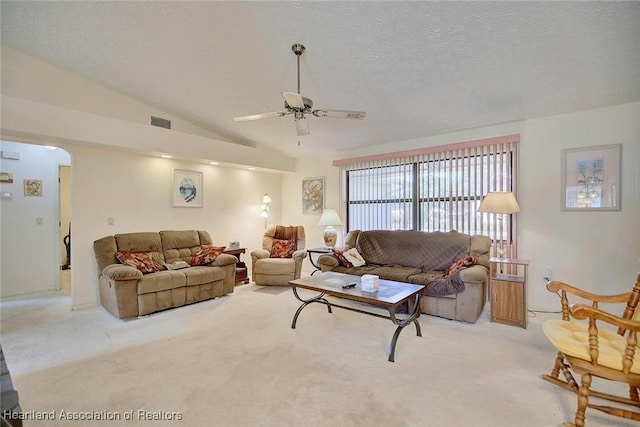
126 291
423 258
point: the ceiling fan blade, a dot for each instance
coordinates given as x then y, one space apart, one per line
294 100
260 116
340 114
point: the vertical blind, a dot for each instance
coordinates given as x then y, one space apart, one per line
432 189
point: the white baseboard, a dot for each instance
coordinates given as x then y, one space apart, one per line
84 306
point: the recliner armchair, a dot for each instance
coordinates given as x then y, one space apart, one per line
280 259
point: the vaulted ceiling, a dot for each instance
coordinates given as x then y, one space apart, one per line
417 68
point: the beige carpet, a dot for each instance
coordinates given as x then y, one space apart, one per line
235 361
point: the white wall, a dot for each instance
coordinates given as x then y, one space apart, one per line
30 259
29 78
136 191
599 251
292 196
47 105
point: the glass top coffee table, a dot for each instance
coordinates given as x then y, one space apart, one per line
390 296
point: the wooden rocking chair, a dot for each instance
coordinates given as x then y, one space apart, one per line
595 349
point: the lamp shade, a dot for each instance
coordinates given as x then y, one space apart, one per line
329 217
502 202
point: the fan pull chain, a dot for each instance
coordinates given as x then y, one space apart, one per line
298 57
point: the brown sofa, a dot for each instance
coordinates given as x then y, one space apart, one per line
422 258
126 292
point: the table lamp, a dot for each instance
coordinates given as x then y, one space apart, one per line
501 203
330 219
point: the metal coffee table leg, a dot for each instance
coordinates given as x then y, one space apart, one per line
305 302
413 317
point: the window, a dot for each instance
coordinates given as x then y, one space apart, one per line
380 198
435 189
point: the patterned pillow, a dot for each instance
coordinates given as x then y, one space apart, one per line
460 264
354 257
139 260
282 248
206 254
339 254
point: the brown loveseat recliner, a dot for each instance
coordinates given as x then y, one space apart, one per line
127 292
266 270
422 258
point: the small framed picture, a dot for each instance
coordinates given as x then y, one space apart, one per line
187 190
33 187
6 177
591 178
313 195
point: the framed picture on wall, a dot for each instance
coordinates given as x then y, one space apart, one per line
312 195
33 187
187 190
591 178
6 177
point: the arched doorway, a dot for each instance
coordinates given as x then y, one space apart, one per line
30 229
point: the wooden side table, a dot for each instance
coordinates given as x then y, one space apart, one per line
241 268
509 291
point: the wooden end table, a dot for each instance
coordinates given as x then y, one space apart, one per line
241 267
509 292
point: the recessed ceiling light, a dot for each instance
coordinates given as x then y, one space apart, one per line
251 169
214 163
165 156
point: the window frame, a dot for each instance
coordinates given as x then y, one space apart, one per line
499 173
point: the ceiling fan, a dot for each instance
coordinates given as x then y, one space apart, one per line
298 105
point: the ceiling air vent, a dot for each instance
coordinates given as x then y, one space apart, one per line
160 122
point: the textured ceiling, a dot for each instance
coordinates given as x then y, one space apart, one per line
417 68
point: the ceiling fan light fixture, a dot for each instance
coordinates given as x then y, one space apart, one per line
302 127
298 105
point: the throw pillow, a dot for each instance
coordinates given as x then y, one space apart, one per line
178 265
354 257
139 260
460 264
282 248
339 253
206 254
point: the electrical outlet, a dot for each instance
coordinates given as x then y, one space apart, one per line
546 272
39 221
110 220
